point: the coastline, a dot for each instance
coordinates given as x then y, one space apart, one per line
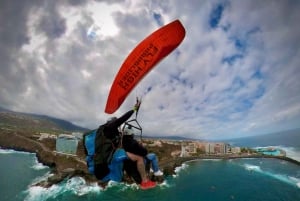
67 166
228 157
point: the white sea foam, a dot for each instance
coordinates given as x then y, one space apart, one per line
164 184
41 178
75 185
252 167
125 186
78 186
291 152
37 193
296 181
7 151
11 151
212 159
38 166
180 168
119 185
281 177
134 186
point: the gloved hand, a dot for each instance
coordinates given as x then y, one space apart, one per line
137 106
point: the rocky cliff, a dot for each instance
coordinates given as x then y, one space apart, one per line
66 166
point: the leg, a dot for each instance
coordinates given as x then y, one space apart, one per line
146 183
154 163
140 165
132 171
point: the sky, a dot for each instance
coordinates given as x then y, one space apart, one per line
236 73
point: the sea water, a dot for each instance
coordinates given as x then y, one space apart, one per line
18 171
289 141
236 179
200 180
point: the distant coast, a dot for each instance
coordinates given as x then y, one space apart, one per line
228 157
67 166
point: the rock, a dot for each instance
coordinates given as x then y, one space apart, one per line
169 170
55 179
67 172
158 179
67 166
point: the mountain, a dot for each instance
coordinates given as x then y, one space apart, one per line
17 120
65 125
175 138
3 109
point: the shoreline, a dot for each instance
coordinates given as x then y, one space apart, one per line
66 166
228 157
168 166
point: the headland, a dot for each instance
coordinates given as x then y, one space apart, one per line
66 166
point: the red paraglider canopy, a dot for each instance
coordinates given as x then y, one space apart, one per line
141 60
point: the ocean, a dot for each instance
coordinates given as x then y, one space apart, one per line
199 180
289 141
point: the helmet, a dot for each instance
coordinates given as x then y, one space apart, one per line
128 131
110 119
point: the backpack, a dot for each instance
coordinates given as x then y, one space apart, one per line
89 149
99 150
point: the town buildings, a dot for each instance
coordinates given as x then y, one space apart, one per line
194 148
67 143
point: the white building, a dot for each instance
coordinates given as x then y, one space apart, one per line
216 148
78 135
188 150
235 150
46 136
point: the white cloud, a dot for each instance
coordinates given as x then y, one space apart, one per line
238 77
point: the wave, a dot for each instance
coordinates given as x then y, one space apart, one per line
11 151
291 152
38 166
40 193
212 159
7 151
253 168
281 177
41 178
296 180
75 185
180 168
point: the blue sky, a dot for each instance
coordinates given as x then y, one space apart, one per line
236 73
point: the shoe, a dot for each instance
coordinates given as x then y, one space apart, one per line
147 185
158 173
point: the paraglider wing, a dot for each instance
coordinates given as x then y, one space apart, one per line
141 60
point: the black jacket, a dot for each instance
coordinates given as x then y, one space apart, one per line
133 146
103 145
111 128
